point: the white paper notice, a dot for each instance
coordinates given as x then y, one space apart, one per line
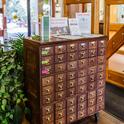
59 26
74 27
84 22
59 22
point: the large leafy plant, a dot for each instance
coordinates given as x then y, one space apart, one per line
12 97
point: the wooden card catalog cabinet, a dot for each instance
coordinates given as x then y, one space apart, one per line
65 79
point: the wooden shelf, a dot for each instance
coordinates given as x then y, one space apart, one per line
115 78
115 70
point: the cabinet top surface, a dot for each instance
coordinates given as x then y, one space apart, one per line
67 38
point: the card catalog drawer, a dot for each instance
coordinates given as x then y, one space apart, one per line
47 51
60 58
60 78
72 65
83 54
92 44
92 94
83 46
71 92
71 101
60 114
72 47
47 60
91 110
83 63
102 43
82 88
47 109
60 105
60 67
60 95
47 81
71 118
82 80
72 56
47 90
71 83
72 75
82 98
60 49
82 114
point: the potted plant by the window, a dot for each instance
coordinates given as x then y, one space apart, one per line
12 96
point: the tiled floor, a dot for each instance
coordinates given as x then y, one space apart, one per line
105 118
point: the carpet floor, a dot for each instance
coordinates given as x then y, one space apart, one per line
115 101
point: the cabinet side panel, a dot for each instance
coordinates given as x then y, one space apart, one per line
31 79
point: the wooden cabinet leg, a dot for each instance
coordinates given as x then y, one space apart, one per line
96 117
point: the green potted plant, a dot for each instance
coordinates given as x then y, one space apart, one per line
12 97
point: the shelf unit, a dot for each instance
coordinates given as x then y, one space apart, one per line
94 11
114 76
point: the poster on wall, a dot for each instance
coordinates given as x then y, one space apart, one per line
84 22
59 26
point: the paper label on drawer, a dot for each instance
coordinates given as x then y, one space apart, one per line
44 52
45 71
82 44
45 62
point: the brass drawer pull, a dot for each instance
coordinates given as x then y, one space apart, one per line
101 99
81 81
47 90
82 99
91 102
48 119
60 58
60 122
60 67
71 102
60 95
71 118
72 66
82 88
72 46
92 44
60 87
72 75
72 92
48 110
48 99
91 110
72 56
60 114
82 53
91 86
71 84
71 110
60 48
82 62
48 81
60 78
81 114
